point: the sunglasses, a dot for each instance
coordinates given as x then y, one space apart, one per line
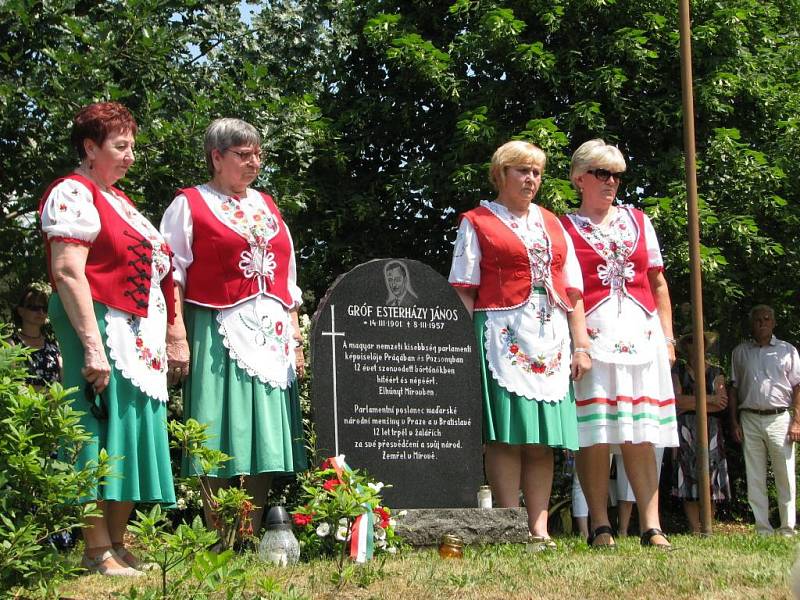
604 175
97 404
36 308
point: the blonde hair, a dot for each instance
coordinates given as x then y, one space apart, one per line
595 154
514 154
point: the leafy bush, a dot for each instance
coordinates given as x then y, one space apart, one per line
40 489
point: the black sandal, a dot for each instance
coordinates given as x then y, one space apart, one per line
646 539
603 529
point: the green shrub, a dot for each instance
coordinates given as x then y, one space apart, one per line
39 486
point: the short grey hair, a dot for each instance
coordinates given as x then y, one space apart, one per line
223 133
761 308
595 154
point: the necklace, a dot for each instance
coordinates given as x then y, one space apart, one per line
31 337
604 221
86 173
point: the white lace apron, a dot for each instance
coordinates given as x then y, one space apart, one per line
528 348
259 336
258 333
137 345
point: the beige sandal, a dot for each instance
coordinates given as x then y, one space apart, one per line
97 564
132 560
540 543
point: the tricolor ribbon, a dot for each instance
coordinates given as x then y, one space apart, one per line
362 531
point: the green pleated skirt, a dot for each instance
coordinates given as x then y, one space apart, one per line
512 419
258 426
135 434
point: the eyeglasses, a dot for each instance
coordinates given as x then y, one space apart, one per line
247 155
97 404
604 175
36 307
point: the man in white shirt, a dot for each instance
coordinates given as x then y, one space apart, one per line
766 388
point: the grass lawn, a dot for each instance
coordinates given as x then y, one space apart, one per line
728 565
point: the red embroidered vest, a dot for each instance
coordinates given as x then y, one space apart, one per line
505 267
594 292
119 263
218 276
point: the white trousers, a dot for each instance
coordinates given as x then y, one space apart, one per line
765 436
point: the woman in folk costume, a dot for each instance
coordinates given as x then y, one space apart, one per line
237 301
113 296
516 272
627 401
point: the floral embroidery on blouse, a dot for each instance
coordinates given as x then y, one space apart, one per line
614 243
71 210
258 228
593 332
161 250
534 239
529 364
154 358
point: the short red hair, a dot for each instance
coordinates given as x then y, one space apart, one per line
96 121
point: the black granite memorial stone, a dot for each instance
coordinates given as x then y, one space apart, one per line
396 383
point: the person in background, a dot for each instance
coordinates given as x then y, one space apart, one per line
626 401
685 481
237 302
30 317
765 417
516 272
112 278
625 498
44 362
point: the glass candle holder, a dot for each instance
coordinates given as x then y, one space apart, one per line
451 546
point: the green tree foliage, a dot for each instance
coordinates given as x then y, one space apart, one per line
379 118
177 64
429 89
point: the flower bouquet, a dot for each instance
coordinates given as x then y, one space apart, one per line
340 514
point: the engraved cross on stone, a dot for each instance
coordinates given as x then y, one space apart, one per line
333 335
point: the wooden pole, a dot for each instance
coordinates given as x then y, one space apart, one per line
698 360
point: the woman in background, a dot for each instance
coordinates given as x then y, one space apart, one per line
30 316
685 483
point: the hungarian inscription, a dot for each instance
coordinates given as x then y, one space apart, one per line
396 383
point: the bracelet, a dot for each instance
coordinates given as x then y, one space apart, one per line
670 340
584 350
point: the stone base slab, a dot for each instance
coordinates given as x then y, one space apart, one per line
426 526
